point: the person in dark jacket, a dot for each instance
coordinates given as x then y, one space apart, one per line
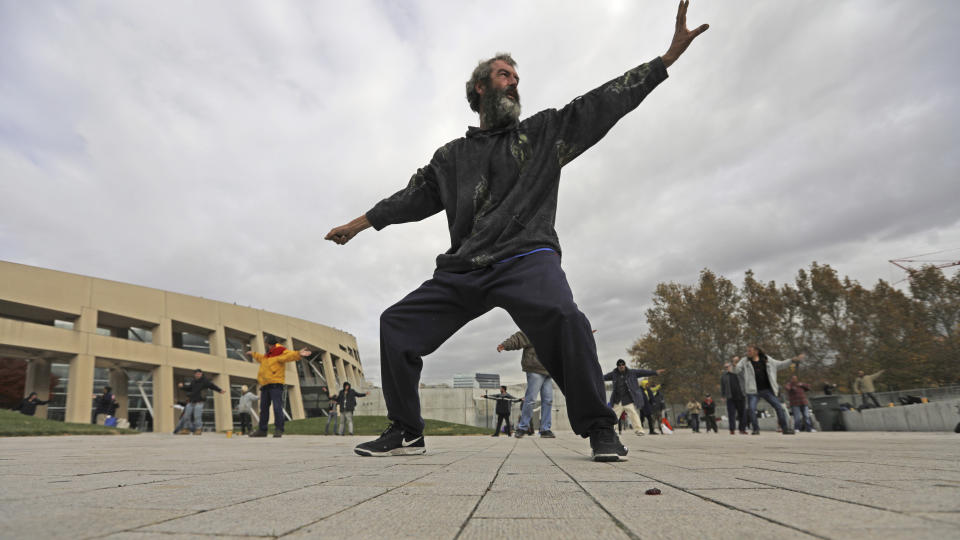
29 404
104 405
499 186
710 413
731 387
626 395
347 400
196 396
646 410
504 404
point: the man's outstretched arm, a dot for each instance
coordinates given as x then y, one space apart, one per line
420 199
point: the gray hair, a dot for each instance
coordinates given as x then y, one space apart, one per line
481 74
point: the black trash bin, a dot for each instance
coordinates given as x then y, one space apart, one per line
828 412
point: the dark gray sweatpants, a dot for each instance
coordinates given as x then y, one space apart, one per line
533 289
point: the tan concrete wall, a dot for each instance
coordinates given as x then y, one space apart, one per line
464 405
83 298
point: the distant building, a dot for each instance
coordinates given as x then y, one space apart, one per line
84 333
477 380
465 381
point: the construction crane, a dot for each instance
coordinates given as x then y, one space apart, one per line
936 263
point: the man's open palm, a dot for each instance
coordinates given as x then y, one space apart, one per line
682 37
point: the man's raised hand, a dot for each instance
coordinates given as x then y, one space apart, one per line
342 234
682 37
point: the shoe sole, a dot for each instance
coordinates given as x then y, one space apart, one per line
609 457
403 451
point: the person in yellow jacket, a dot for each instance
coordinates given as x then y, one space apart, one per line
271 378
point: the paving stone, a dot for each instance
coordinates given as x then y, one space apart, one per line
396 515
273 515
542 529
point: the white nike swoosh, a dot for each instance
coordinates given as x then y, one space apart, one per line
404 442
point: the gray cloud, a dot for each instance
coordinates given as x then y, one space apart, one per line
207 148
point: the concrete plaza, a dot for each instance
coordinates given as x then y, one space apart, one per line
821 485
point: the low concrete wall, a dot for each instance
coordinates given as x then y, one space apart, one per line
465 406
934 416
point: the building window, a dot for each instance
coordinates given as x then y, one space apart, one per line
190 337
238 344
37 315
123 327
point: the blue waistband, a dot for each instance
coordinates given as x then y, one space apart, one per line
525 254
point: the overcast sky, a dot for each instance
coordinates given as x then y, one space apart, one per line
207 147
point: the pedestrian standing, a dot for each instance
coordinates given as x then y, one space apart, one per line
196 390
538 382
710 413
647 410
731 386
659 406
799 404
693 415
333 411
347 400
626 395
504 403
245 409
272 377
863 386
760 382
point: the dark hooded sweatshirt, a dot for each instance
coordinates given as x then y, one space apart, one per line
499 186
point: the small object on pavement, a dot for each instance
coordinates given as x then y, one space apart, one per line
652 491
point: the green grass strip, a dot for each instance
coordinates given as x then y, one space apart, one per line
14 424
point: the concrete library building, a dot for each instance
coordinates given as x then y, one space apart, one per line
72 335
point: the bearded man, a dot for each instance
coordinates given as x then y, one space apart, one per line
498 186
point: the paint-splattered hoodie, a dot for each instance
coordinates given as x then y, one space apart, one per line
499 186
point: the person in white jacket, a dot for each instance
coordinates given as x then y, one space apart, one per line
759 373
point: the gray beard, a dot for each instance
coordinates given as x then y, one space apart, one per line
497 110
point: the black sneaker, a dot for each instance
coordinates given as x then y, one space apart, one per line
520 434
258 433
394 441
606 446
277 434
547 435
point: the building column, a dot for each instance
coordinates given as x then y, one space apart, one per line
328 371
163 412
80 389
297 412
222 404
341 371
163 334
357 379
38 380
351 375
218 342
293 386
120 383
